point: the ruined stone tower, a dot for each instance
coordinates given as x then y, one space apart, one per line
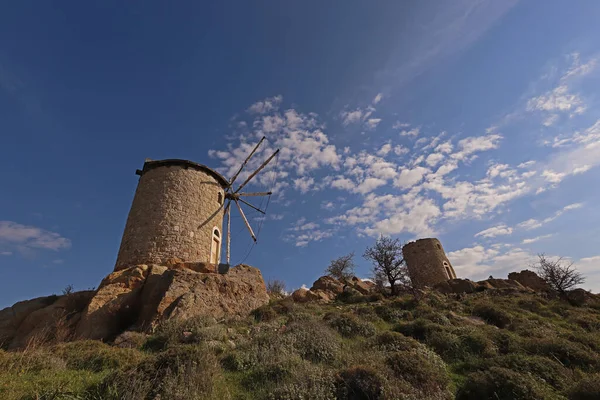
176 213
427 262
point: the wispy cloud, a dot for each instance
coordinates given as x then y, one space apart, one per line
26 238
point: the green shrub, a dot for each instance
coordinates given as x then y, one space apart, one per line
392 314
360 383
34 361
503 384
180 372
350 326
174 331
492 314
93 355
549 371
586 389
567 353
422 368
394 341
507 342
264 313
314 341
418 329
307 381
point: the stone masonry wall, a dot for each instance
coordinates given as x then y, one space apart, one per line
425 261
173 214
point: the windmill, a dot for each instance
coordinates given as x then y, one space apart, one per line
236 196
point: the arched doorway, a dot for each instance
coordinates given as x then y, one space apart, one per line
215 247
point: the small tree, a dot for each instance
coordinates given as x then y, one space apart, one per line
67 290
276 287
388 262
560 274
342 268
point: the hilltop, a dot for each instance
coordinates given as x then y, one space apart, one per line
494 343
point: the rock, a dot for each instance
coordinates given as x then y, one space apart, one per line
530 279
130 340
364 287
328 284
504 284
12 317
456 286
55 322
141 297
300 295
191 294
115 304
579 297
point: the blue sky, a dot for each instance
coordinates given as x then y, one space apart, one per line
473 121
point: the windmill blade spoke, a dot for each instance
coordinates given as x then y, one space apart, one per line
246 221
268 160
228 211
250 205
246 161
255 194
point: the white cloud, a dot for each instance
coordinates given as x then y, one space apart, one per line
550 120
384 150
327 205
5 253
534 223
400 150
25 237
474 144
495 231
400 125
577 69
304 184
343 183
265 106
410 177
479 262
369 184
537 238
373 122
434 159
412 132
378 98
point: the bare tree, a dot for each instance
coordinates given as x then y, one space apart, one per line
560 274
342 268
388 262
276 287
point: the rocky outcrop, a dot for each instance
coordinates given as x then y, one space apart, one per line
137 299
579 297
457 286
327 288
51 318
460 286
530 279
140 297
11 317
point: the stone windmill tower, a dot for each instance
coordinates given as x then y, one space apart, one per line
178 210
427 262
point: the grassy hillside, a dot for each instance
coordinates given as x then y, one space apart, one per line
480 346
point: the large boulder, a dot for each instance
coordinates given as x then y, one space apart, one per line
114 306
456 286
363 287
140 297
328 284
12 317
579 297
55 322
530 279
